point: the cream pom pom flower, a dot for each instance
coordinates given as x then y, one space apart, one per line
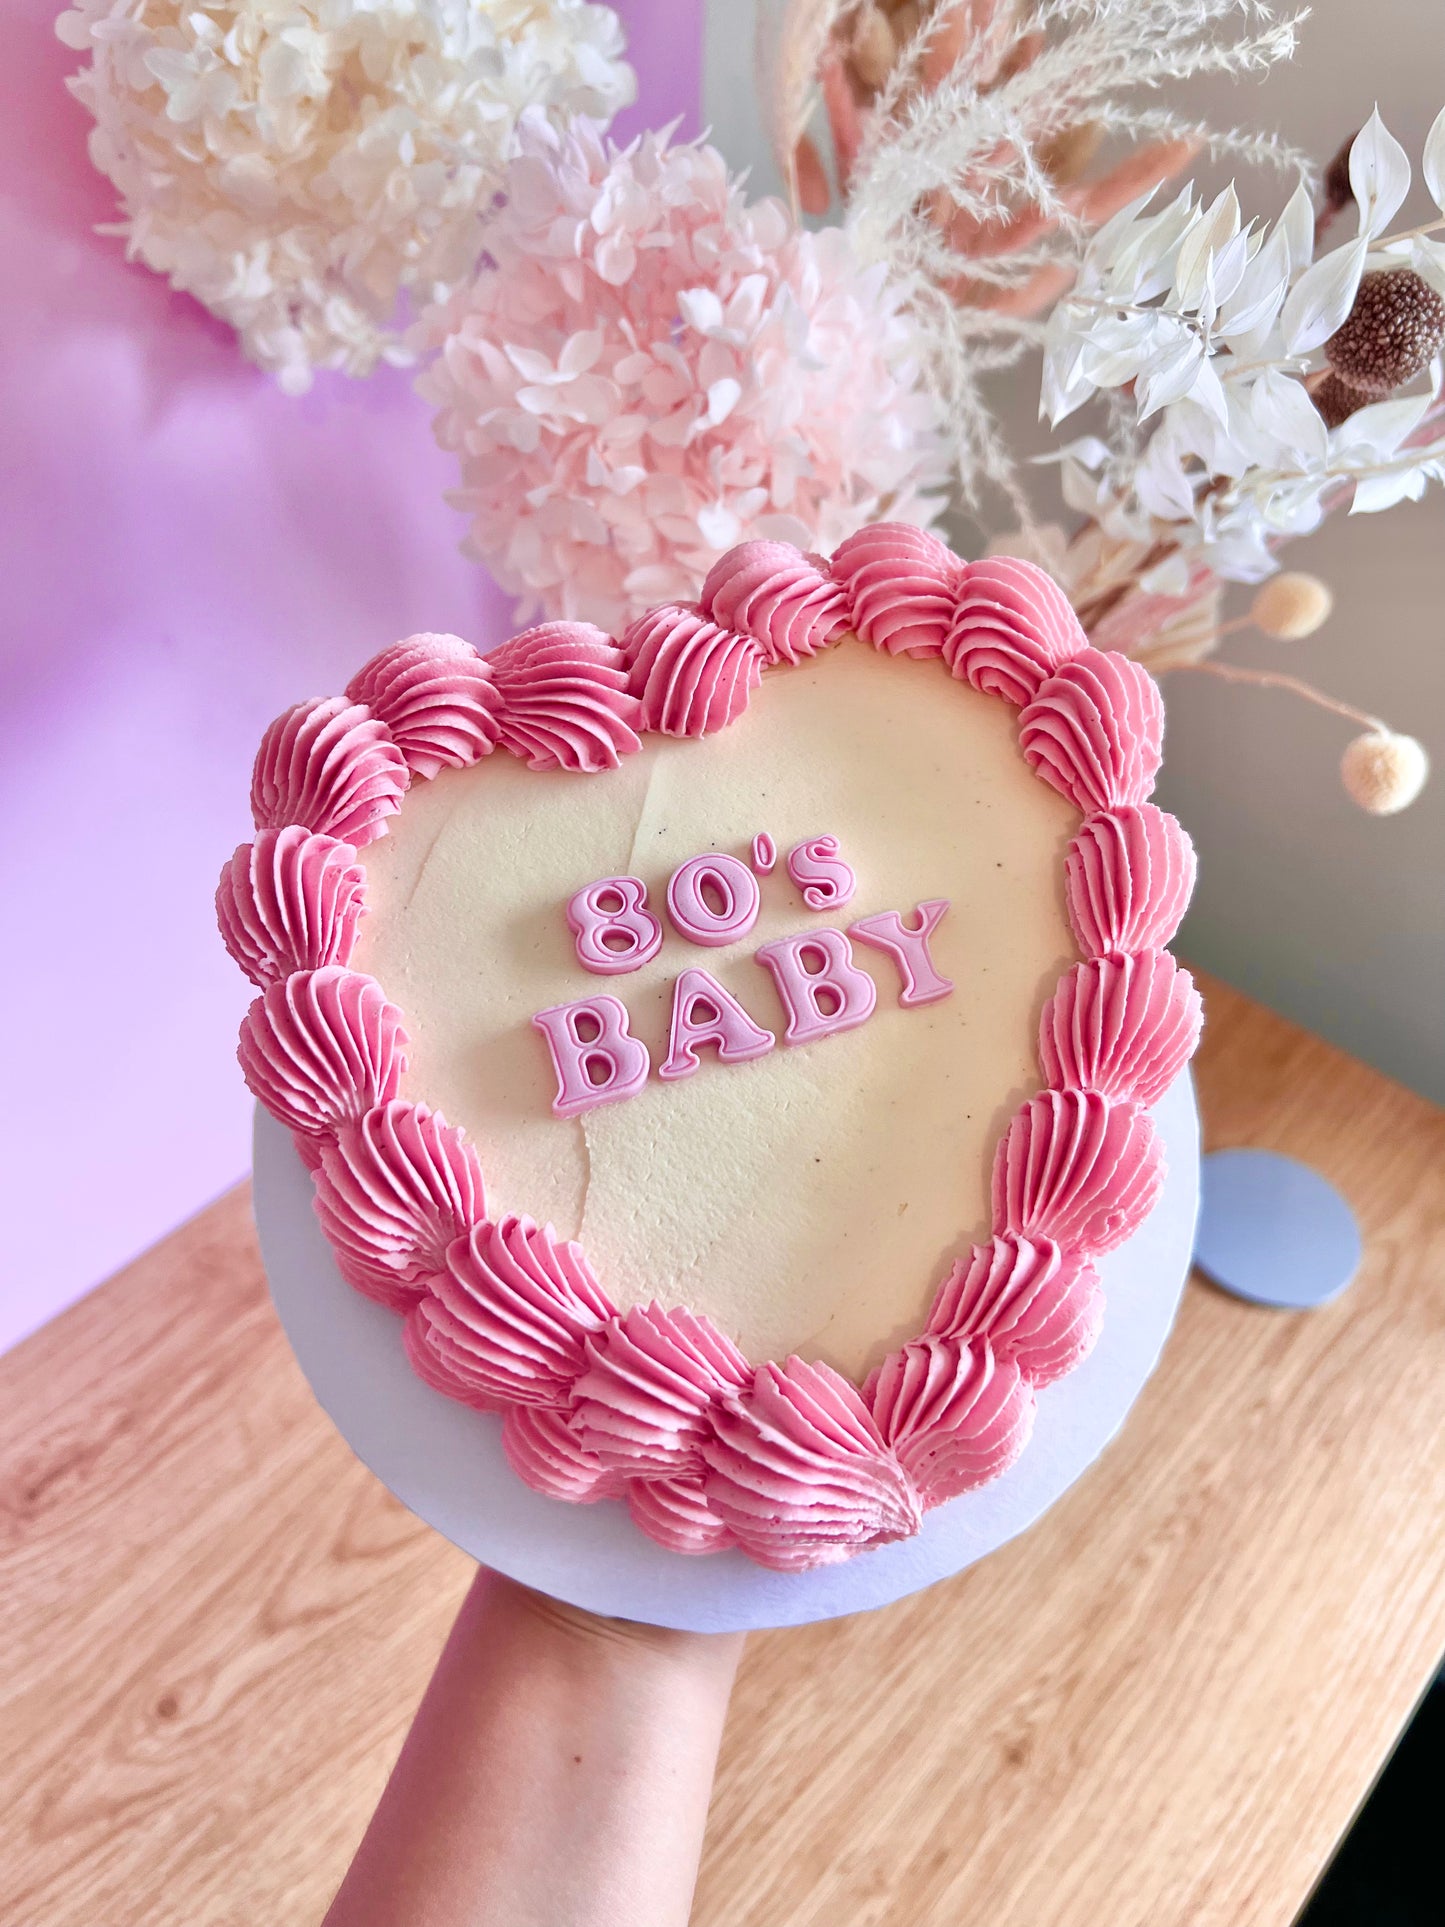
648 370
1384 772
306 167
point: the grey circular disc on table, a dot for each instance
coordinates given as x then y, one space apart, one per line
444 1461
1274 1231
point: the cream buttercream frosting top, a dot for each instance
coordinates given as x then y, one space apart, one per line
810 1200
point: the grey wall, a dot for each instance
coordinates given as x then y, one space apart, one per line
1334 918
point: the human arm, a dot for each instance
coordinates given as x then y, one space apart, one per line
557 1774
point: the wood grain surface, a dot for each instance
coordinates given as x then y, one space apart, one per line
1160 1707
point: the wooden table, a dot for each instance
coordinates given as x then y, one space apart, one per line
1158 1709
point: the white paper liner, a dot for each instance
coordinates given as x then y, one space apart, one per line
445 1462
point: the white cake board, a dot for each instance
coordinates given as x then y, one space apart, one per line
444 1461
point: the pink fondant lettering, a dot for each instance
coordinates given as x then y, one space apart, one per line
765 853
713 899
596 1057
704 1013
922 981
821 874
822 989
614 929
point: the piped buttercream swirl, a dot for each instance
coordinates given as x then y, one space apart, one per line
676 1514
543 1451
1012 627
330 766
322 1049
902 585
436 697
690 677
394 1191
290 901
1123 1025
431 1366
1076 1167
1034 1303
509 1314
953 1414
786 601
649 1387
1128 878
799 1472
563 699
1095 730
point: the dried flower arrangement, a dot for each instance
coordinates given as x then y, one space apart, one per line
969 165
637 368
1248 381
646 369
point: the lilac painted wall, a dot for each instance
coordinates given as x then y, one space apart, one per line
183 552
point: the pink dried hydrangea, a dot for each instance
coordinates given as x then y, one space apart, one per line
649 370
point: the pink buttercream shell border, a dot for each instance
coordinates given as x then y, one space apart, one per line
788 1461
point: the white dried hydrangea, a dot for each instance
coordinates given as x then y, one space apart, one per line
309 169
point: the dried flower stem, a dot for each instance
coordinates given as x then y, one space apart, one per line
1408 234
1261 480
1272 679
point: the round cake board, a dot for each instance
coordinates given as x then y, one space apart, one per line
444 1461
1274 1231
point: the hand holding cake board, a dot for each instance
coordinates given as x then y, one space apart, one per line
732 1086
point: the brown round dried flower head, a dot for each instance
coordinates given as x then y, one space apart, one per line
1336 399
1395 326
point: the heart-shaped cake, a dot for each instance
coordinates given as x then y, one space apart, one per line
728 1047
